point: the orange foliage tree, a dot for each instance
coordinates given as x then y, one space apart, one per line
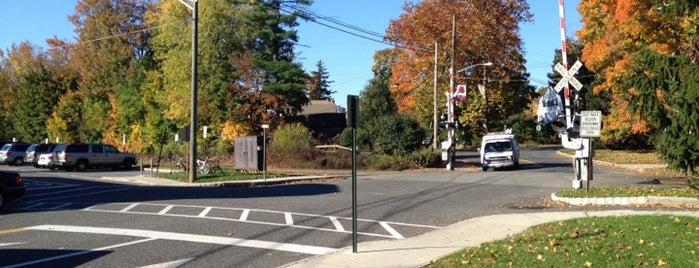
614 32
486 31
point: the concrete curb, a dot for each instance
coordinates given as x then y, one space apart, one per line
154 181
623 201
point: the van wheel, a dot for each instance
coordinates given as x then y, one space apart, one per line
485 168
128 163
19 161
81 165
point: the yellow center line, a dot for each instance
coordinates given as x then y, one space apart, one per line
9 231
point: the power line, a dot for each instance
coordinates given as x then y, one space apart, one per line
346 27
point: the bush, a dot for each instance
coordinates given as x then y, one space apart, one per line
291 139
362 139
425 158
397 134
291 146
385 162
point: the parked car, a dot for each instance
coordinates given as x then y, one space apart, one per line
11 187
499 150
83 156
32 155
13 153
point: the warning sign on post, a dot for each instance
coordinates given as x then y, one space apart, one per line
590 124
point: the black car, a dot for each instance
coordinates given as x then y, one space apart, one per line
11 187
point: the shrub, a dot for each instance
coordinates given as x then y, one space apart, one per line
425 157
362 139
397 134
291 139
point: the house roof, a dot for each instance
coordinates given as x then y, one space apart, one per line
319 107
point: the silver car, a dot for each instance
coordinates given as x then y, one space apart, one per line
13 153
35 150
83 156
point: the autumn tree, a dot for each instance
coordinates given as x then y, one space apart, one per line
110 57
36 78
485 31
319 83
614 32
662 89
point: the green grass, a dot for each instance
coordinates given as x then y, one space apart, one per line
624 156
590 242
227 175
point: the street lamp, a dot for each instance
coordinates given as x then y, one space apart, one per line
475 65
264 151
451 142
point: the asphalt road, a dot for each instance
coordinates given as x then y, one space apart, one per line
70 219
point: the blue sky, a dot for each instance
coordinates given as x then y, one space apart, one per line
347 58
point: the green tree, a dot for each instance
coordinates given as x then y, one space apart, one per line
664 91
318 84
271 37
376 99
397 134
112 44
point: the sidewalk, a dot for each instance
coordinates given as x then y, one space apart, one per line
421 250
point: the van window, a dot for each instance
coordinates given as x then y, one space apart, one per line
97 148
77 148
110 149
20 147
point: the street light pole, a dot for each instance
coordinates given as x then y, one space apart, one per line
192 174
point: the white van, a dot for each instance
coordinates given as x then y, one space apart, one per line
499 150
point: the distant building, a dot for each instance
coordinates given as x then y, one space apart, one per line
323 118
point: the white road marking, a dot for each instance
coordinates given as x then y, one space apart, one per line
86 194
65 191
337 224
166 209
32 206
170 264
390 230
11 244
126 209
76 253
61 206
205 211
289 219
244 215
206 239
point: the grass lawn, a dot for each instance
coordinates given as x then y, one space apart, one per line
597 241
590 242
227 175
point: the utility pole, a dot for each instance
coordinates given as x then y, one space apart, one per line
435 134
192 171
452 146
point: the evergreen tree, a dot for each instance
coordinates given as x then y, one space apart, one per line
319 85
271 38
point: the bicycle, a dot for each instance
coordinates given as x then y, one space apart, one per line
203 166
179 164
215 167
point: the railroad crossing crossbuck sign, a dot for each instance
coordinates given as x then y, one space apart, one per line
568 76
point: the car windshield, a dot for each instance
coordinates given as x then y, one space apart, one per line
500 146
6 147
